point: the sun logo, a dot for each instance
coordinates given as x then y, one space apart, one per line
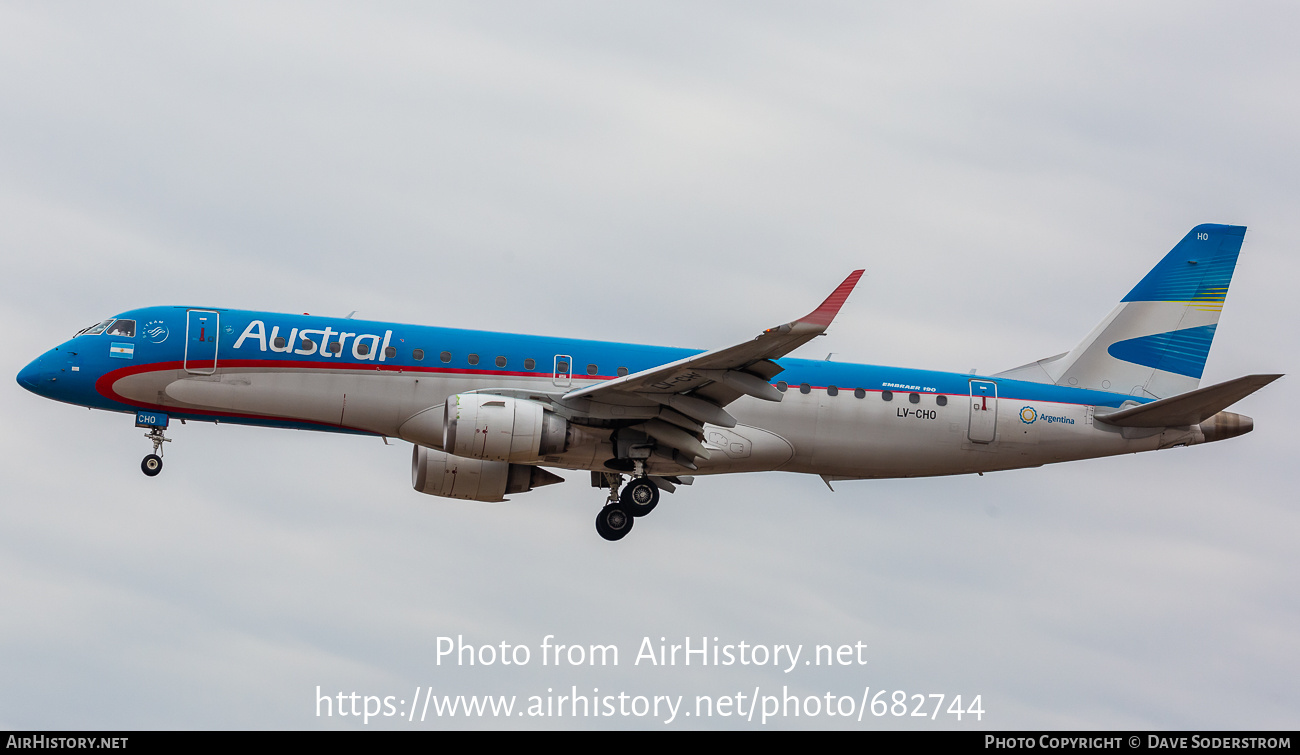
1028 415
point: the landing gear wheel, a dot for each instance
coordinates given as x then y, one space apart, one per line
151 465
640 497
614 522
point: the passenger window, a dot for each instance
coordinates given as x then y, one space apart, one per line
390 352
418 355
123 328
886 395
805 388
832 390
562 367
335 347
308 344
622 371
280 342
915 398
445 357
941 400
501 361
362 348
530 364
781 385
473 359
591 369
859 393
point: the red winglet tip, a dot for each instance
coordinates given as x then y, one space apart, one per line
831 307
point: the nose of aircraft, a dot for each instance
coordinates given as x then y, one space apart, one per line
30 376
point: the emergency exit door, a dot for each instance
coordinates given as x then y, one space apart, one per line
563 375
983 411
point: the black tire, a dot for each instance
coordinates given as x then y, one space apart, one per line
639 497
151 465
614 522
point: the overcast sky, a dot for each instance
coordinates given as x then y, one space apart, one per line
672 173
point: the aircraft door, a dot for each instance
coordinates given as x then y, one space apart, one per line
201 329
563 375
983 411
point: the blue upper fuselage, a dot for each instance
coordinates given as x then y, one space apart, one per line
82 370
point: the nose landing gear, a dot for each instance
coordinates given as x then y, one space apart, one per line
152 464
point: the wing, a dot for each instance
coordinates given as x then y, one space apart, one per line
694 390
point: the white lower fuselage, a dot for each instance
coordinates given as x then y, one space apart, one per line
839 436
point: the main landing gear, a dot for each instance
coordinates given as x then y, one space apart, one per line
152 464
621 511
640 496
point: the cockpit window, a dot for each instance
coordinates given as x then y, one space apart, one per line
95 329
123 328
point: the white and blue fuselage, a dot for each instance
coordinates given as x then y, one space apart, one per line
835 419
487 411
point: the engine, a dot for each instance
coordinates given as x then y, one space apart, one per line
436 473
499 428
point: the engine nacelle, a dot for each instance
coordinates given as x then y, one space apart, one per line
500 428
436 473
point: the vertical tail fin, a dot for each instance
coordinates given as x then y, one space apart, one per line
1156 341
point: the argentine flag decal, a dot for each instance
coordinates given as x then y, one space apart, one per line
122 350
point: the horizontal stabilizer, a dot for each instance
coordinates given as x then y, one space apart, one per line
1190 408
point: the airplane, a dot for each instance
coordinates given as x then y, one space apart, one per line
487 412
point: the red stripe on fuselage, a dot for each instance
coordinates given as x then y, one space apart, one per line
104 385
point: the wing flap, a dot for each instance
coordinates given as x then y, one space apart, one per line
695 407
674 437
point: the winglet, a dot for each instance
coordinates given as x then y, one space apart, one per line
826 312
